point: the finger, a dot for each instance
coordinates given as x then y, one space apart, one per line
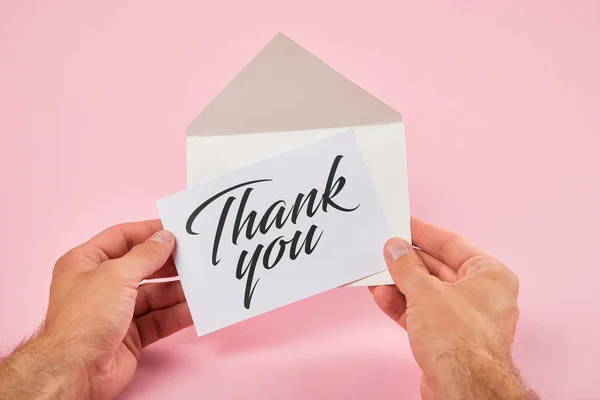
146 258
167 271
159 324
446 246
437 268
117 240
407 269
391 302
157 296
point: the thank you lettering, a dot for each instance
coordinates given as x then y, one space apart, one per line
248 228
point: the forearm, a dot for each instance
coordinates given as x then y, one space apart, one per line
477 376
40 370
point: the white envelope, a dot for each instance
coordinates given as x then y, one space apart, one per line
285 98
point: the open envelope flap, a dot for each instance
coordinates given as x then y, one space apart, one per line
382 147
287 88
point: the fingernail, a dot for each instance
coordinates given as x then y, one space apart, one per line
162 237
395 248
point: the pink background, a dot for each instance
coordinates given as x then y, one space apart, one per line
501 102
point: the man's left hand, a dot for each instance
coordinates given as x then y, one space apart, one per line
99 317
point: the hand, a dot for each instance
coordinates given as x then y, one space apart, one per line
98 319
459 308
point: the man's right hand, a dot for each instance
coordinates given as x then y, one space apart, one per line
459 308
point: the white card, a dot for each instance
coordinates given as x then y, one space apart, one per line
275 232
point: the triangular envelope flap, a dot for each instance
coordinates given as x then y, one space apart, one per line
287 88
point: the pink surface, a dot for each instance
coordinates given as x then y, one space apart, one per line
500 101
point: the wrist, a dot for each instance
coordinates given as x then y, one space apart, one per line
43 369
479 374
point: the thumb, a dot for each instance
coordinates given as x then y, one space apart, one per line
146 258
406 268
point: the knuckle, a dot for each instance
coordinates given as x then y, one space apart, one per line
478 262
512 280
158 328
448 246
406 270
415 278
63 263
59 266
506 277
147 251
147 297
497 273
114 229
114 270
118 231
410 266
386 302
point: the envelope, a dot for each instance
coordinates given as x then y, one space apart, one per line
286 97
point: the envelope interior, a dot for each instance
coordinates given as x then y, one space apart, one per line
285 87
